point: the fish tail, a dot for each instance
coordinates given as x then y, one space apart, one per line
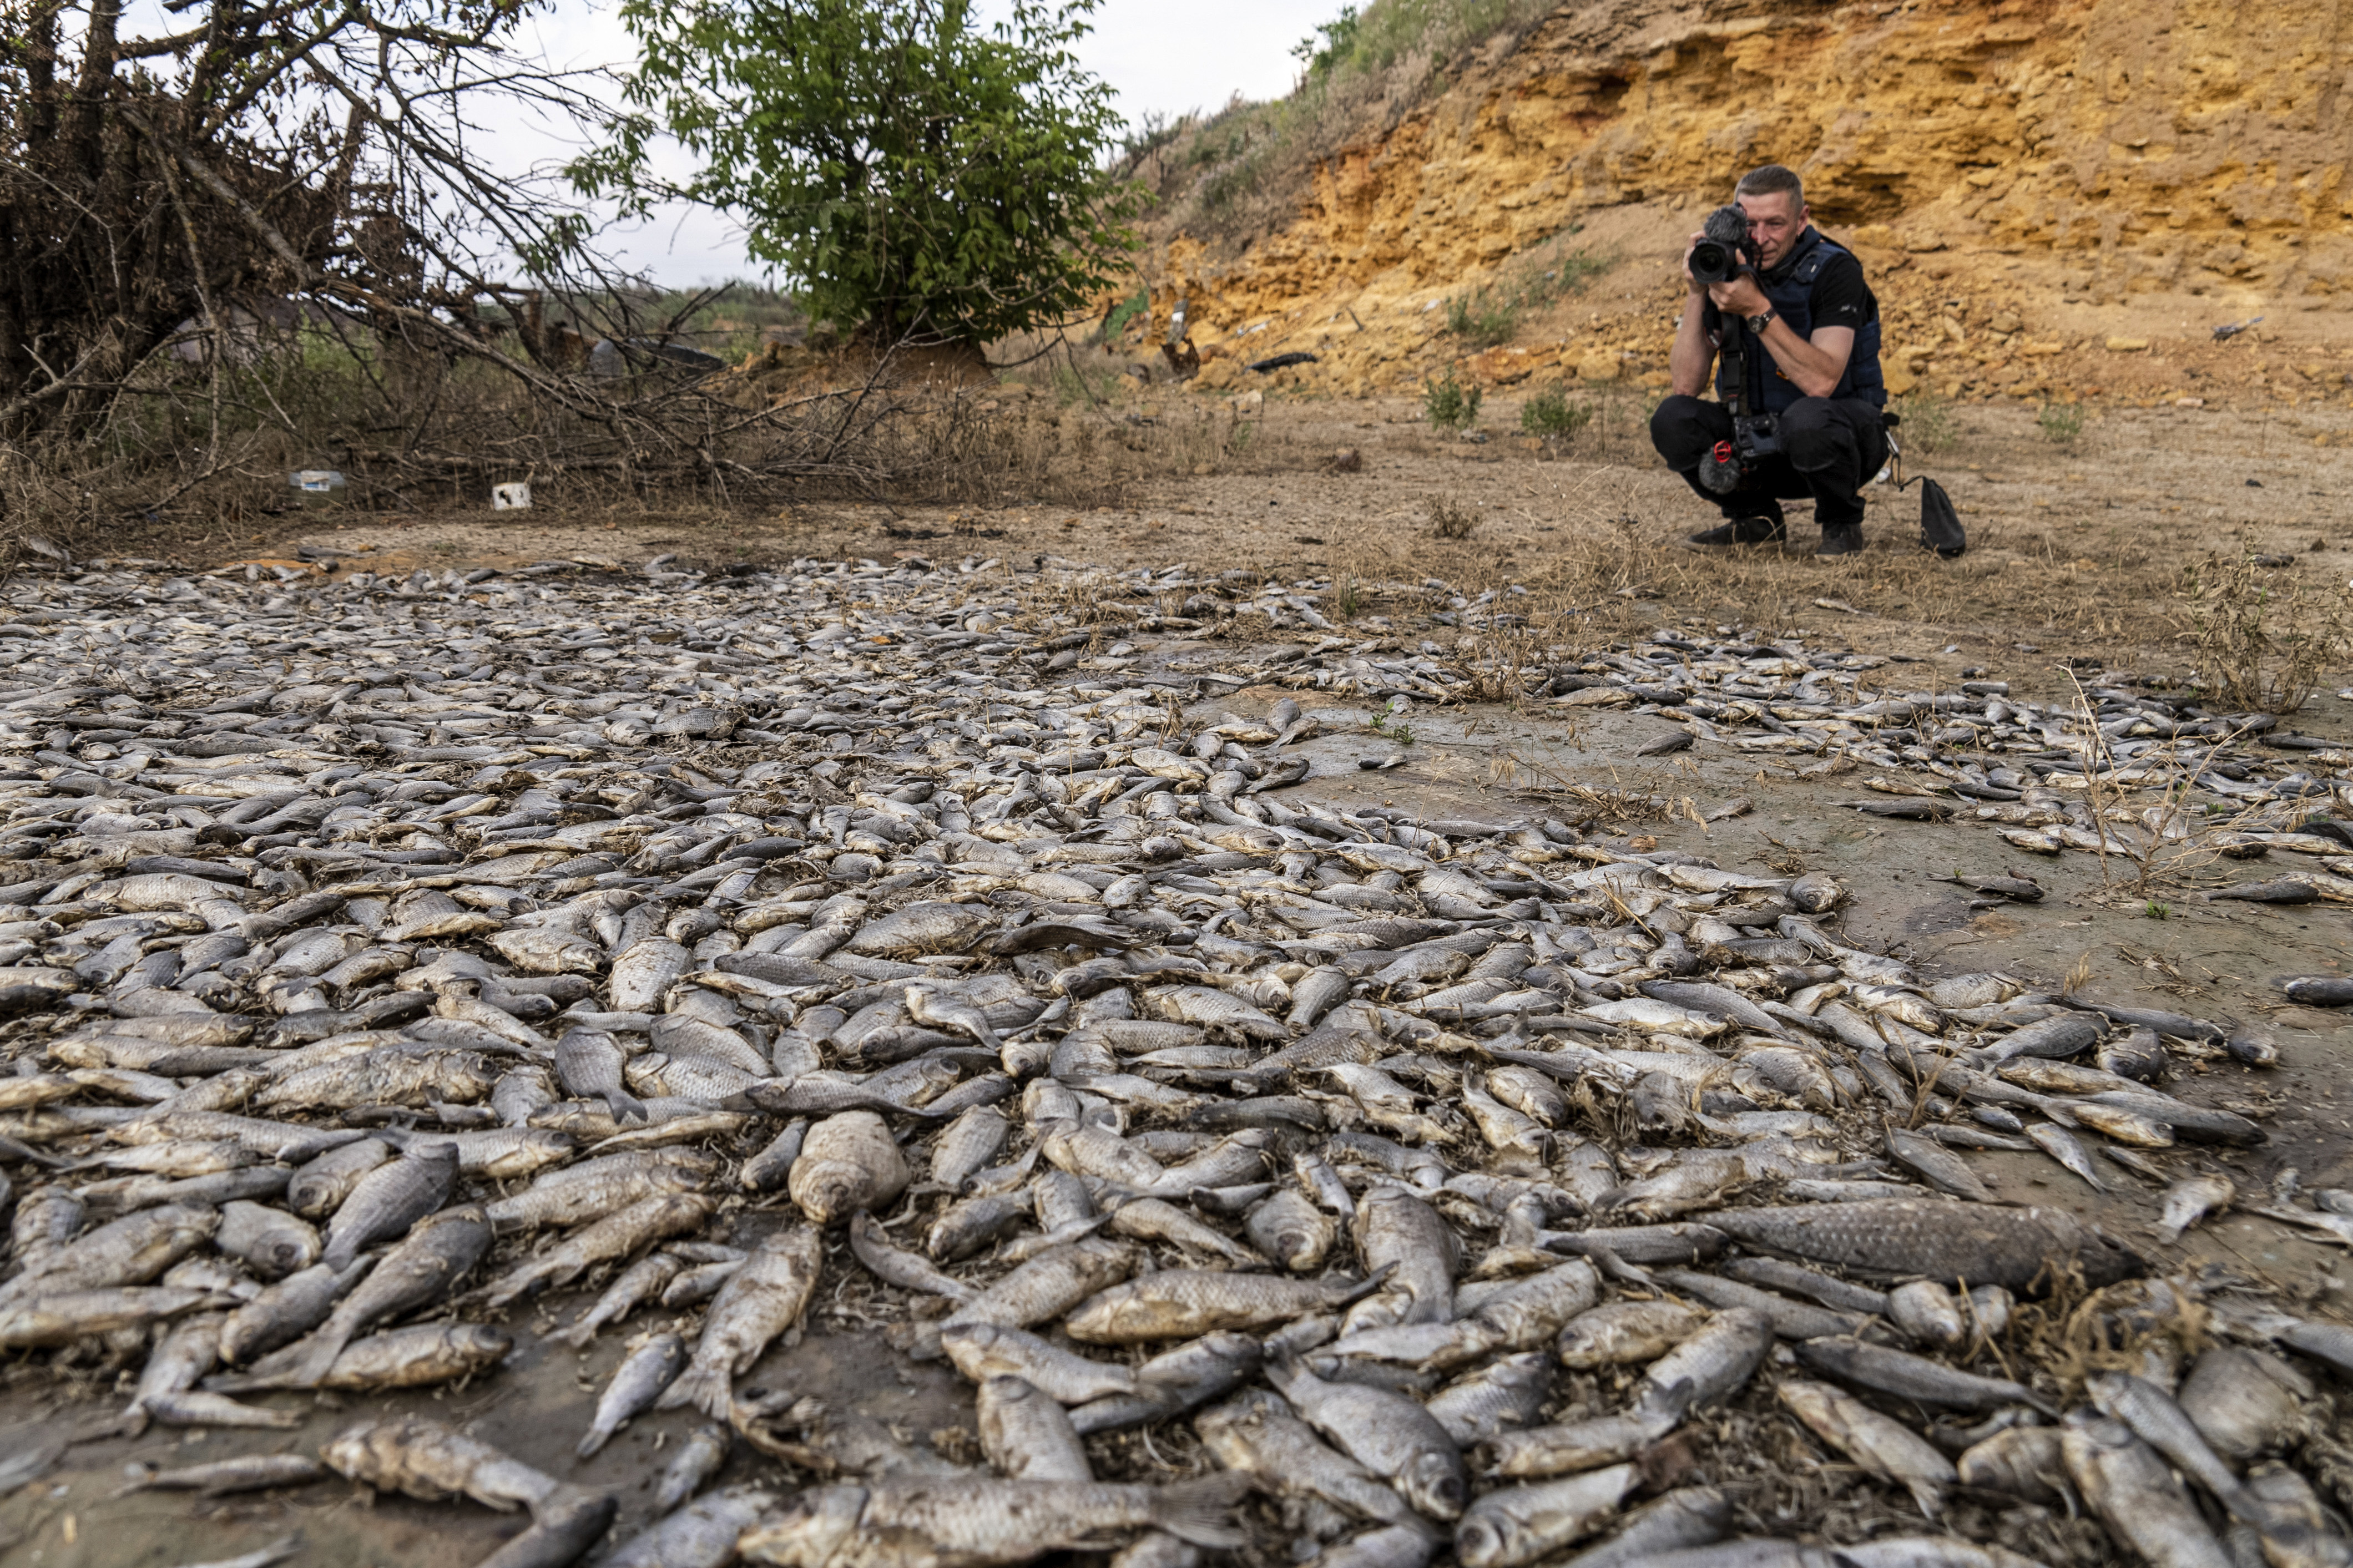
708 1389
319 1359
1372 1282
1197 1511
595 1440
577 1336
626 1107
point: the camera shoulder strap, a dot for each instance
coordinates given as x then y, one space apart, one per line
1736 363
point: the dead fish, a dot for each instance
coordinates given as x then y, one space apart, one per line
1893 1237
1686 1517
983 1350
425 1266
1627 1331
1173 1381
563 1525
1257 1434
589 1063
1718 1359
418 1357
703 1534
636 1382
921 928
2190 1200
1909 1376
284 1311
2023 1461
848 1162
425 1459
700 1456
1291 1231
1883 1447
1791 1319
2154 1417
1179 1304
983 1520
1502 1396
2136 1494
1936 1165
618 1235
1926 1310
578 1194
2064 1147
897 1267
245 1473
1028 1435
1575 1446
1515 1525
2244 1403
127 1251
762 1300
1388 1433
1046 1285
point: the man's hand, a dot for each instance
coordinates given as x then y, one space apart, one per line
1741 297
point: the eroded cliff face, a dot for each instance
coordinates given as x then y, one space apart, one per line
2030 182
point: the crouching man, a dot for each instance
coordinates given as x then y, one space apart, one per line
1793 337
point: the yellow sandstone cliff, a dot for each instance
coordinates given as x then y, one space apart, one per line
2041 189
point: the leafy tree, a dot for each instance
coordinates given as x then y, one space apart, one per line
910 173
172 175
1338 41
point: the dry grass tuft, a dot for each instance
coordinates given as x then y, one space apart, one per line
1450 519
2265 637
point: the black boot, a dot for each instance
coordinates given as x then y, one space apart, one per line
1840 539
1744 530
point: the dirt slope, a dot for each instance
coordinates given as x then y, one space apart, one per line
2056 197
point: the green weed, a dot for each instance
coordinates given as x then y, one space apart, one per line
1550 414
1481 319
1127 310
2060 423
1927 423
1448 403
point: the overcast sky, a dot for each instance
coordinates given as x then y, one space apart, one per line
1161 58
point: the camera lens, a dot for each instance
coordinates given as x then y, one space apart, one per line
1711 262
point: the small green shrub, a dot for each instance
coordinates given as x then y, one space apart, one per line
1127 310
1480 320
1330 45
1550 414
1449 404
1927 423
2061 422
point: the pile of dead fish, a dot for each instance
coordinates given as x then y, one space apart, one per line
383 958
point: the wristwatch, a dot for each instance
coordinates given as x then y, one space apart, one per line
1758 324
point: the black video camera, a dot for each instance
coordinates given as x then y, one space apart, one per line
1727 250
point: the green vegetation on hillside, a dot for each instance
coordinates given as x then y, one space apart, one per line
1239 171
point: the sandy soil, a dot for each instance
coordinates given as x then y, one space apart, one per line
2077 548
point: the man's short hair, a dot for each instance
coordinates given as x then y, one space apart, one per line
1772 177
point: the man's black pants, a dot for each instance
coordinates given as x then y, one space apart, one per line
1833 446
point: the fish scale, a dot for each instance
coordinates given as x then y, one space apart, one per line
846 909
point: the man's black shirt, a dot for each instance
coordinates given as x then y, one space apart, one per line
1841 298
